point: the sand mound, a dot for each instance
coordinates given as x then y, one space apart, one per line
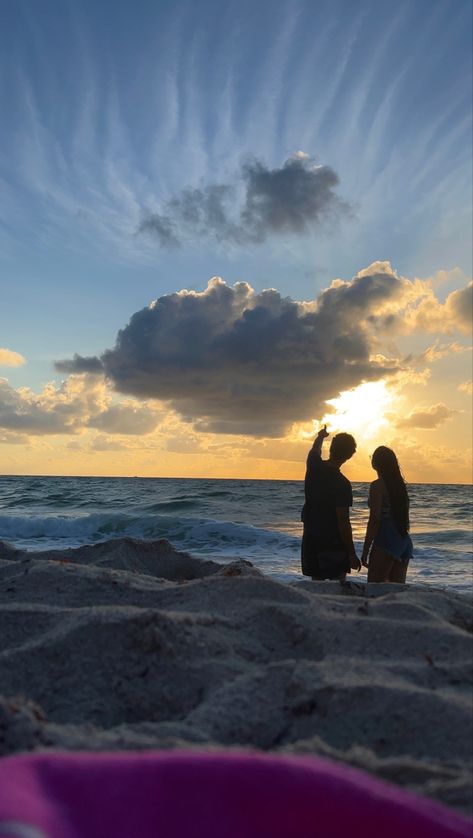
134 645
155 558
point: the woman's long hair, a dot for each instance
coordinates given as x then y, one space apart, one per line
385 462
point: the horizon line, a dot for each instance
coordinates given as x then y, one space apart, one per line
252 479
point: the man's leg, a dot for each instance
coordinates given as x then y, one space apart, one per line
310 565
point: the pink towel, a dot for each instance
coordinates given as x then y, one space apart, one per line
187 794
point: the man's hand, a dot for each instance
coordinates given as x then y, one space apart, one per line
364 559
355 563
318 441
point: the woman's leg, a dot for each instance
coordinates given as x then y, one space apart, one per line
380 565
399 571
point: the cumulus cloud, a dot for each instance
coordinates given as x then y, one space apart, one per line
291 199
8 358
231 360
459 305
21 410
133 419
420 310
235 361
428 418
466 387
79 402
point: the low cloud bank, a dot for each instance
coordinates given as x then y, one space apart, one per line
427 418
79 402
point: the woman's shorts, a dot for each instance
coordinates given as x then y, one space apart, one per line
391 541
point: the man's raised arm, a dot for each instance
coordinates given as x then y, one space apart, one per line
316 450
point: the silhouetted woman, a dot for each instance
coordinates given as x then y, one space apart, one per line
387 533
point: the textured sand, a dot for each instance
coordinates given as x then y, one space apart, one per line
133 645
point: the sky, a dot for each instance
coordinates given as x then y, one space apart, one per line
225 223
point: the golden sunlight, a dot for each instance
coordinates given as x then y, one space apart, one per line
362 411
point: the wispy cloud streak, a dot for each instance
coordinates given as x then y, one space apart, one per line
347 84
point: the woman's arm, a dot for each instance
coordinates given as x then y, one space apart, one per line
374 500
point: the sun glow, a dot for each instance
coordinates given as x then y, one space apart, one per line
363 411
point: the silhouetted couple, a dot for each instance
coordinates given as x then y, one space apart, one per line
328 551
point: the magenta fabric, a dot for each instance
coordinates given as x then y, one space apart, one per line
188 794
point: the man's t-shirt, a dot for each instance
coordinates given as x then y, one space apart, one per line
326 489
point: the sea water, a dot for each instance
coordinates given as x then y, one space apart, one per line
258 520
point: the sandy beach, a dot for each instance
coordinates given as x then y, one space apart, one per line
133 645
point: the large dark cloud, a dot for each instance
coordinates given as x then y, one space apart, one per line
230 360
291 199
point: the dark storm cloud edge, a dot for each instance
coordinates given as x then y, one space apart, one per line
231 360
275 201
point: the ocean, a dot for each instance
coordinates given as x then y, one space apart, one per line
258 520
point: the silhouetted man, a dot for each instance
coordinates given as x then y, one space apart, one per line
328 551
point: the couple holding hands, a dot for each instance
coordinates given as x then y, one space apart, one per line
328 551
